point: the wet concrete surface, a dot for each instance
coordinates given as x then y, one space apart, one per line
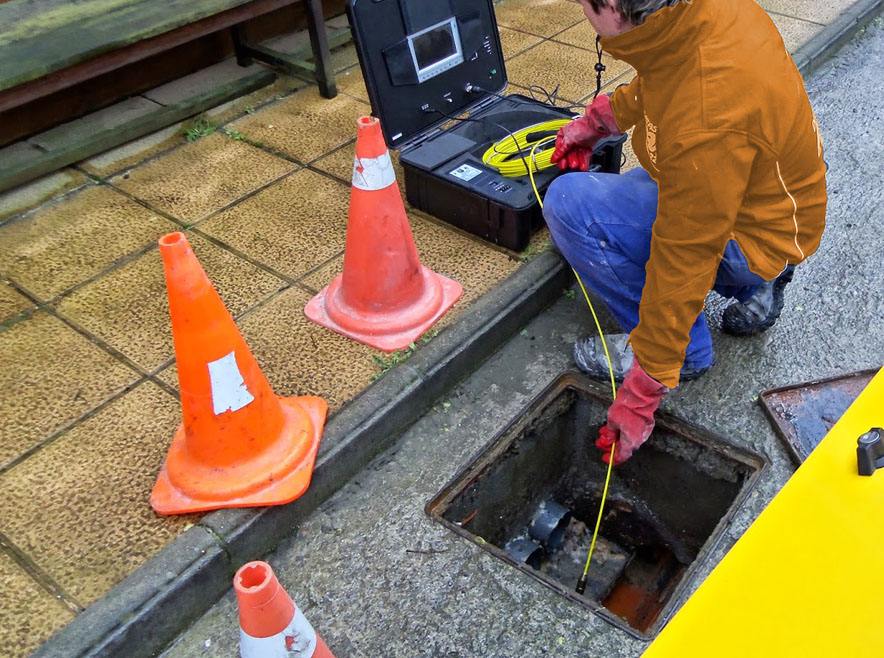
376 576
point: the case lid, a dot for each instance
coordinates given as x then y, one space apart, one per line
423 59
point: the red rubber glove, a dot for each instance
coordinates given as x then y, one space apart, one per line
631 417
575 140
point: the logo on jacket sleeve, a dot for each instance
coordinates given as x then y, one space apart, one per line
651 140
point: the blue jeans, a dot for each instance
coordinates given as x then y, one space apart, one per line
602 225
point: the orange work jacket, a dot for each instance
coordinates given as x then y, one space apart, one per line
724 126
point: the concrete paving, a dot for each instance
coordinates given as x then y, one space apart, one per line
376 576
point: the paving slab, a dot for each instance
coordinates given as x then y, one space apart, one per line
31 612
50 376
543 18
64 243
554 64
514 42
581 35
203 176
285 85
26 197
56 505
303 358
351 83
111 162
304 126
12 302
128 308
293 226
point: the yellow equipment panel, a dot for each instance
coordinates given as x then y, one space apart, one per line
807 578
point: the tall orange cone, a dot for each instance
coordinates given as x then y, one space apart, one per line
239 445
270 624
384 298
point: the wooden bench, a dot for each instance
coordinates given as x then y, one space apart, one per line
47 46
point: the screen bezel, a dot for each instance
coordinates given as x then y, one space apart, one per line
436 68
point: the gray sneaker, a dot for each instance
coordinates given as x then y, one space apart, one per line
589 355
760 311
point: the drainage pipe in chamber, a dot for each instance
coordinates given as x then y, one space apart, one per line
525 550
549 524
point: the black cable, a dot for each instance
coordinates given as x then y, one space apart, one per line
525 101
599 67
551 99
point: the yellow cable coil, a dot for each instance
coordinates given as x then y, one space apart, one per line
507 155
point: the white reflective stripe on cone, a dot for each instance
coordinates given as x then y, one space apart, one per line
296 639
229 392
373 174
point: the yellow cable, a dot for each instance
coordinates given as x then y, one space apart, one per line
598 325
601 335
598 521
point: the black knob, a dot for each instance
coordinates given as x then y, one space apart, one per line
870 451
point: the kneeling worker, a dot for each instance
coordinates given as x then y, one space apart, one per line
731 194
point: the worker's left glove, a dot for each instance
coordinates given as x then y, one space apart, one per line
631 416
577 139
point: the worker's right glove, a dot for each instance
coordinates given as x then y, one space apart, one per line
631 416
577 139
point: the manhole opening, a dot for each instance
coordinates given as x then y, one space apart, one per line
531 498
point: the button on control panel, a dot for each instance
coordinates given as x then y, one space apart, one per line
500 186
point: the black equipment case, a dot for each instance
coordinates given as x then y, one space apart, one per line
428 61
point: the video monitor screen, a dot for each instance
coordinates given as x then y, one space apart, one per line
434 46
436 49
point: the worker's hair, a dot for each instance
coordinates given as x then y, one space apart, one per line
635 11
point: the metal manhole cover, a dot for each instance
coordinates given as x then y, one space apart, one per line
803 414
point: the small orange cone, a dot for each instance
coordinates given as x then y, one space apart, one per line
270 624
384 298
239 445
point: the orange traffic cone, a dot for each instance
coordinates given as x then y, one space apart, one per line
270 624
239 445
384 298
